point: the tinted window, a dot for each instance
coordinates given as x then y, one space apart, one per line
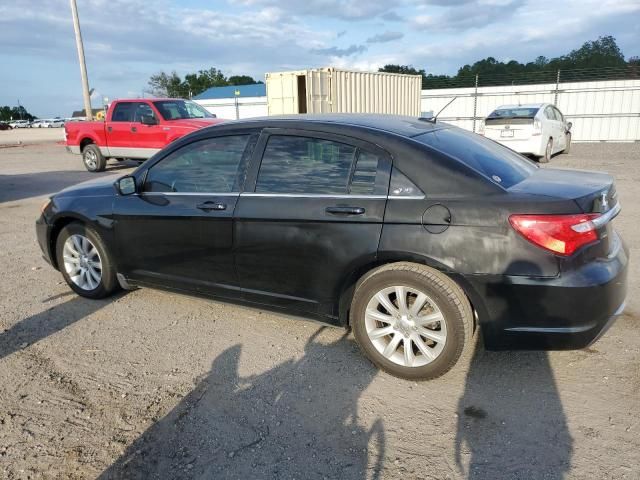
496 162
548 112
305 165
213 165
123 112
140 110
363 180
558 114
516 112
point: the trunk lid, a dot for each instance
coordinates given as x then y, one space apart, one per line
593 192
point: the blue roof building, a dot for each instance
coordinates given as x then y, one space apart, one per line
253 90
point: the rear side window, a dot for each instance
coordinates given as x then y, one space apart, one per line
292 164
123 112
214 165
498 163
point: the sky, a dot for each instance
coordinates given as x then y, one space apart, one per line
126 41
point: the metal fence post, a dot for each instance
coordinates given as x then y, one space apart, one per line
475 104
555 97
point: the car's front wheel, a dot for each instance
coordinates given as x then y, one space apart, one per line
411 320
85 262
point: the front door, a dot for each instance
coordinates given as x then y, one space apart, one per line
178 232
312 211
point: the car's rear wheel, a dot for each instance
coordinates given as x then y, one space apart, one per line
567 148
411 320
93 159
547 152
84 261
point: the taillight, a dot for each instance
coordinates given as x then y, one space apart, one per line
537 127
561 234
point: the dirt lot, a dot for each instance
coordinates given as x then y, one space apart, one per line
156 385
30 136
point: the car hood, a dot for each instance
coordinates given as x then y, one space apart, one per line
95 187
194 124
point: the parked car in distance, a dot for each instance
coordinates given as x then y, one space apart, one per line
5 126
20 123
411 232
37 123
536 129
51 123
135 129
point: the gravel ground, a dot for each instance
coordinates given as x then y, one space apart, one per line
30 136
157 385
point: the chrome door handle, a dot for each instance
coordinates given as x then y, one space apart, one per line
345 210
211 206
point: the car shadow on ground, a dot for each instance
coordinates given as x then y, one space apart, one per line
27 185
511 424
297 420
48 322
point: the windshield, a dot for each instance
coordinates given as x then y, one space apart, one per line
498 163
181 109
516 112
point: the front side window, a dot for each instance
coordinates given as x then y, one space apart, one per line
181 110
292 164
213 165
140 110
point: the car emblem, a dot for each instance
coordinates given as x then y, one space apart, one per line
507 127
604 203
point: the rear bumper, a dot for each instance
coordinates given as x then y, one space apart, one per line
530 146
570 311
75 149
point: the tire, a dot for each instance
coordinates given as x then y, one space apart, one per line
547 152
93 159
446 304
86 284
567 149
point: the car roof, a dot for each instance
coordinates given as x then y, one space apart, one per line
523 105
397 124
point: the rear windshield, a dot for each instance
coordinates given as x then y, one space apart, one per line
517 112
498 163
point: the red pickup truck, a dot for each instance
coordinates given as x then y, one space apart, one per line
135 129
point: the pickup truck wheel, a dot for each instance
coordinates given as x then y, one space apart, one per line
93 159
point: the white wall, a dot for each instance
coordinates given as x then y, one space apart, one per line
600 111
226 107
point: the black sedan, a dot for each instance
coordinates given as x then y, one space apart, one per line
413 233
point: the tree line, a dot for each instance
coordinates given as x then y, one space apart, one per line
8 113
172 85
599 59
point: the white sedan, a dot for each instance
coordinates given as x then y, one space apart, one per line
52 122
20 124
537 129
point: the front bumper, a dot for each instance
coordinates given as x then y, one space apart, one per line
570 311
43 234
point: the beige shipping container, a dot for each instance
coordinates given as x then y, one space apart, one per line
332 90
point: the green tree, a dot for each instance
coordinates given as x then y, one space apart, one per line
15 113
172 85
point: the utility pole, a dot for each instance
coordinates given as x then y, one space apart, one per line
83 65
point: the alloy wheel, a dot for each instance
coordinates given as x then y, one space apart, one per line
405 326
82 262
91 159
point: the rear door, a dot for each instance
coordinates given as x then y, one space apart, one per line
178 231
118 129
312 211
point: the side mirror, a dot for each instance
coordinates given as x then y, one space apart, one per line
569 125
126 185
148 120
